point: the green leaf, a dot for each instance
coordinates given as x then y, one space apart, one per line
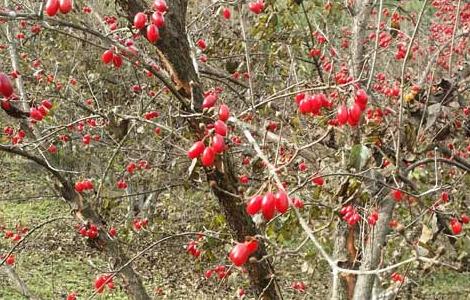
360 154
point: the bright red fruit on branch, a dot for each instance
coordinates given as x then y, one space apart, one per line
208 157
396 195
153 34
456 226
256 7
52 7
6 88
226 13
254 205
342 115
196 149
10 260
218 143
65 6
268 206
140 19
72 296
224 113
209 101
158 19
239 254
282 202
220 128
160 5
107 56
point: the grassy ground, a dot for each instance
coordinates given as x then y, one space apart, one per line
55 261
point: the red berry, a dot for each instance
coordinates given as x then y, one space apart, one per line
226 13
52 149
268 206
65 6
112 232
361 99
153 34
224 113
256 7
282 202
456 226
121 184
254 205
160 5
318 181
304 106
117 61
10 260
196 149
107 56
52 7
46 103
201 44
209 101
465 219
252 246
140 19
342 115
239 254
72 296
220 127
396 195
6 89
445 197
298 203
158 19
354 115
208 157
218 143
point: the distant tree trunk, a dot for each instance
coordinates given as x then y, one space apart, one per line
174 51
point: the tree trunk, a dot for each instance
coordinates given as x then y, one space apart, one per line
175 53
372 252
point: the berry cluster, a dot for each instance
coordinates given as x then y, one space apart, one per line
350 215
268 204
54 6
82 186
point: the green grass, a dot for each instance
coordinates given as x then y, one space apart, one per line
48 263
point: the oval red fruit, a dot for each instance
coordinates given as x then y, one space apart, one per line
107 56
226 13
117 61
209 101
282 202
6 88
196 149
252 246
224 113
158 19
456 226
268 206
254 205
140 19
65 6
354 115
220 127
218 143
160 5
208 157
239 254
52 7
342 115
153 34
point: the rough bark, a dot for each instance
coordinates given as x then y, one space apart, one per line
175 53
373 250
